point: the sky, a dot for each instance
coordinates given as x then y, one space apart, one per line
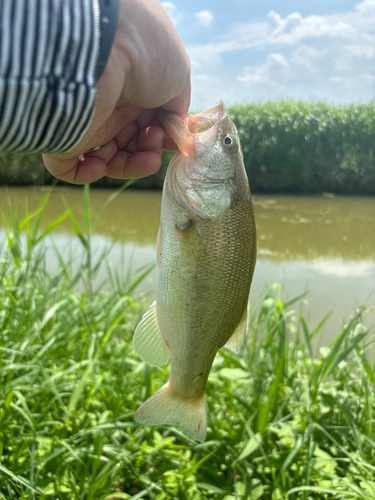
246 50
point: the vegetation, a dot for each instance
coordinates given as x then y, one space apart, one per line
283 423
304 147
289 147
23 169
17 169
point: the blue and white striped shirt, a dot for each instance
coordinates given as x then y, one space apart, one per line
49 53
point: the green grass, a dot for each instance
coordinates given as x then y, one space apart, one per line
283 423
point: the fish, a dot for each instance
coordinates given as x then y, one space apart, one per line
206 253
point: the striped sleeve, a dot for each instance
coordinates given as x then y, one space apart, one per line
48 57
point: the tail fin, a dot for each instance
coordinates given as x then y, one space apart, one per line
164 408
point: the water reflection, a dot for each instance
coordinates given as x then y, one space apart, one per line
306 228
322 244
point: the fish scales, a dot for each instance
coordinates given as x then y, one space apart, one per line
211 299
208 252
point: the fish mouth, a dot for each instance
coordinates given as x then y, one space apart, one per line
204 127
177 128
201 122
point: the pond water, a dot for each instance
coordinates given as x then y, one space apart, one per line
321 244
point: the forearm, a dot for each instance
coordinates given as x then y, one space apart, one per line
49 63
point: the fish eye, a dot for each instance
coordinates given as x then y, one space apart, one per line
229 142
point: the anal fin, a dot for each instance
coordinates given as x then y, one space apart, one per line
236 340
148 341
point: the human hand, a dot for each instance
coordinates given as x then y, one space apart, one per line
148 68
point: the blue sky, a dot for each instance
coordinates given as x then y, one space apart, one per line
245 50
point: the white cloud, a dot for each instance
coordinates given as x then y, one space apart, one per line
351 82
268 74
367 7
215 88
303 57
295 28
171 10
361 51
205 17
322 57
355 59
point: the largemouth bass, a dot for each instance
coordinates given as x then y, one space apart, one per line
206 253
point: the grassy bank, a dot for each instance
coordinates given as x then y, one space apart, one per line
289 147
283 423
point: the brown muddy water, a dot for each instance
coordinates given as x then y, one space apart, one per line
320 244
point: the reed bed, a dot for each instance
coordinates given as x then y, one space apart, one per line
308 146
284 421
289 147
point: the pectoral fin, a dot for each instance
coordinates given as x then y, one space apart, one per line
148 341
191 245
236 340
